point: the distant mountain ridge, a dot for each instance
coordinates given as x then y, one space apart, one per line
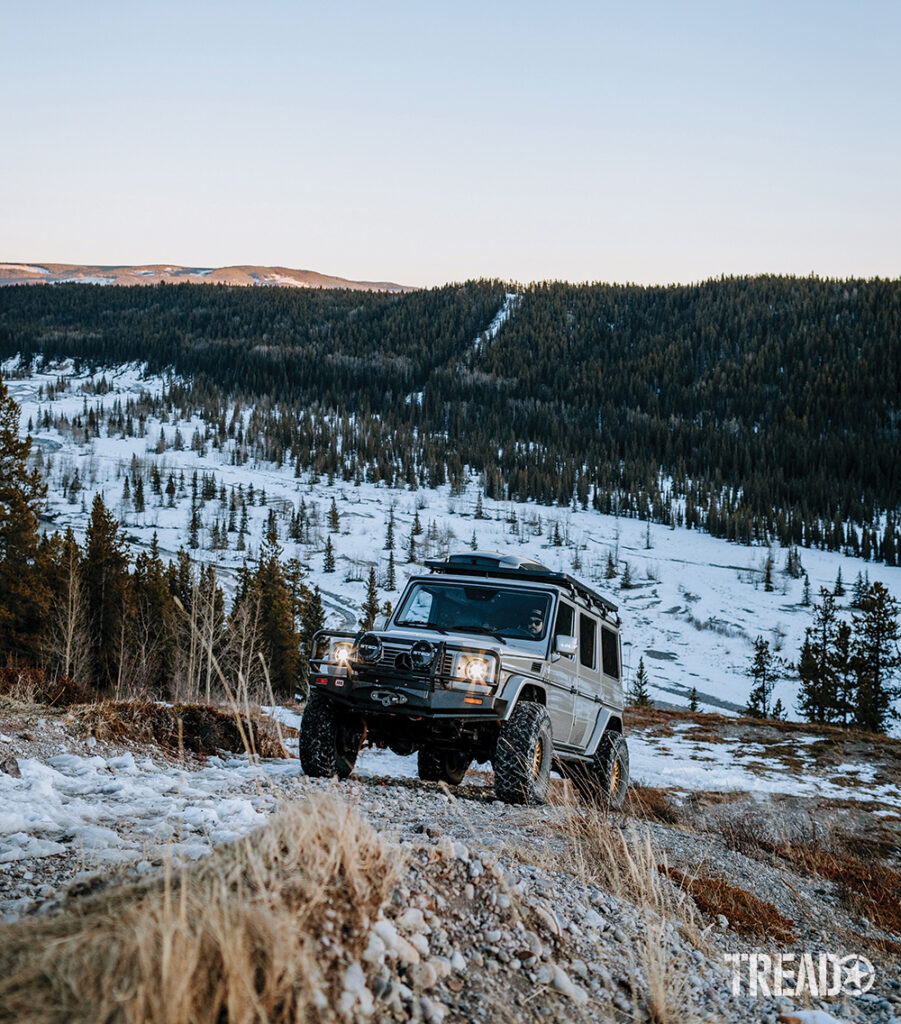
155 273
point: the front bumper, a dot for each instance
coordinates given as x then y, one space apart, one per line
386 693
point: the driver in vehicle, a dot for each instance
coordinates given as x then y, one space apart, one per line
536 623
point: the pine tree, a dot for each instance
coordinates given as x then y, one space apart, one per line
105 577
417 525
839 589
391 573
24 595
473 542
328 564
805 595
877 660
763 672
389 533
312 620
371 604
480 511
768 574
861 588
279 640
817 698
411 548
194 529
139 495
693 699
639 696
334 517
610 572
626 582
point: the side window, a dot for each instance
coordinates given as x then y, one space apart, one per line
610 652
565 621
588 632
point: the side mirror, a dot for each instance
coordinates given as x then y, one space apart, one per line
567 645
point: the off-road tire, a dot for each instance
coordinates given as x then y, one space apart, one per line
606 780
443 766
523 755
329 740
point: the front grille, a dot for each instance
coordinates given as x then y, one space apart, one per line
389 656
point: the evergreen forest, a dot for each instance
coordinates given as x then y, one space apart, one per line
758 409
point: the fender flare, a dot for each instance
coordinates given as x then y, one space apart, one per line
513 687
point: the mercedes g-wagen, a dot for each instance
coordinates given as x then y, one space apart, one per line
487 658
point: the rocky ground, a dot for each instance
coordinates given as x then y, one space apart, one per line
502 913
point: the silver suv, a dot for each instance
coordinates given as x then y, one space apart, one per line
488 658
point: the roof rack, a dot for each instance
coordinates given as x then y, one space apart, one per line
484 563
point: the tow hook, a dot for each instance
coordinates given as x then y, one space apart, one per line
387 698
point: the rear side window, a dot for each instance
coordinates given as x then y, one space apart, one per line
610 649
588 641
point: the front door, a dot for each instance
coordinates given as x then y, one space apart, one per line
562 677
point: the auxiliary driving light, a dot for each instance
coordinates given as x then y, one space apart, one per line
422 654
369 647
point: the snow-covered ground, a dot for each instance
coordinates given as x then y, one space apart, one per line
697 605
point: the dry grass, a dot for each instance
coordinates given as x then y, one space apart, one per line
260 931
198 728
34 686
624 862
869 888
746 913
653 804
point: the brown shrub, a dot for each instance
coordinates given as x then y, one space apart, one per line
746 913
33 686
260 931
870 888
198 728
652 803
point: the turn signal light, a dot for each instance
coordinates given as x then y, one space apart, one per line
472 700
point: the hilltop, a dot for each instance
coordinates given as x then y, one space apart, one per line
157 273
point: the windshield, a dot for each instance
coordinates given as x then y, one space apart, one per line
501 611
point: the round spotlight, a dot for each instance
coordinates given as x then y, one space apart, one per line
369 647
422 654
342 653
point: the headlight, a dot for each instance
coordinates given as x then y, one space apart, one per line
341 653
476 670
471 670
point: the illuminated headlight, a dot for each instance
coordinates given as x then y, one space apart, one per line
476 670
341 653
473 670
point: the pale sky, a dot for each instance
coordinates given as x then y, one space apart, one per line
425 143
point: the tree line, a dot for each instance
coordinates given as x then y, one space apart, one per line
125 625
757 409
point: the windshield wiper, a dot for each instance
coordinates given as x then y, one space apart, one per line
421 625
463 628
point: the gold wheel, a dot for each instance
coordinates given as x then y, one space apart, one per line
537 759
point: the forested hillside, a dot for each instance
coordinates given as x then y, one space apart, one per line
755 408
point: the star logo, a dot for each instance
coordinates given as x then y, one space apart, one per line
858 974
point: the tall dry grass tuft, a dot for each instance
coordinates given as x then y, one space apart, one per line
260 931
624 861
